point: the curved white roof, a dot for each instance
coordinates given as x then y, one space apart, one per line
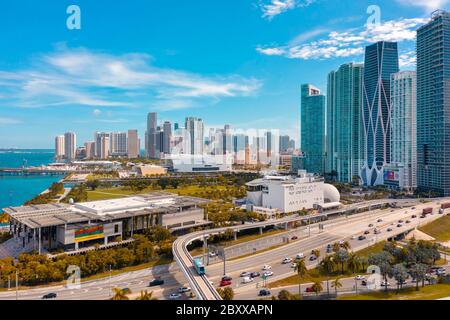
330 193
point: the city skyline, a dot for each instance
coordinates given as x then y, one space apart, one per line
196 79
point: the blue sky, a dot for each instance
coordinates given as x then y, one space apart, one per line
235 61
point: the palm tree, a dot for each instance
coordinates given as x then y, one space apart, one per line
316 253
317 287
300 269
353 262
146 295
121 294
336 284
336 247
346 245
327 266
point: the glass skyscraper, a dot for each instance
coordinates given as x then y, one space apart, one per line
433 105
381 61
345 132
312 129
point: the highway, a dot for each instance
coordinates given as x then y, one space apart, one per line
176 274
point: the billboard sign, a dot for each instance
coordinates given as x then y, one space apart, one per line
89 233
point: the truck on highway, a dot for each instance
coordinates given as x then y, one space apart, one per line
426 211
444 206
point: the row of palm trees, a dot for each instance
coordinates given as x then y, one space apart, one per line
122 294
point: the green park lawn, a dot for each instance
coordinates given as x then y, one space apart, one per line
438 229
431 292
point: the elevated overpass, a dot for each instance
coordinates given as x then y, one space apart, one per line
202 287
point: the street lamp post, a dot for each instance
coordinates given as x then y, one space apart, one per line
110 271
17 285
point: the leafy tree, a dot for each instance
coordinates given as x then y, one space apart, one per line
227 293
317 287
383 260
93 184
418 272
145 295
353 262
400 274
341 257
284 295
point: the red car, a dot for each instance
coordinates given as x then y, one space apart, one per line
310 289
224 283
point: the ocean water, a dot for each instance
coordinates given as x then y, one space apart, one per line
15 190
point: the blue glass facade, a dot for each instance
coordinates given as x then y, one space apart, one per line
381 61
312 124
433 105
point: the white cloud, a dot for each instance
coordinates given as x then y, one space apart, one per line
428 5
97 112
346 43
9 121
276 7
83 77
407 59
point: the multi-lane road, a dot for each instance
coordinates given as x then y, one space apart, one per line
343 228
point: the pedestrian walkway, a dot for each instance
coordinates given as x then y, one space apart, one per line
13 248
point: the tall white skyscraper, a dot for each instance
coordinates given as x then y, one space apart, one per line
70 145
90 149
118 143
152 136
402 171
104 147
59 148
195 127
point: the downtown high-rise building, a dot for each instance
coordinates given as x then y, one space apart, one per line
90 149
99 140
284 143
118 144
70 145
152 137
433 105
195 128
167 137
381 61
59 148
312 129
105 147
133 144
345 131
401 172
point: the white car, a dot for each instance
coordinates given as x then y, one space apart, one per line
385 284
299 256
353 238
174 296
212 254
245 274
184 289
286 260
247 279
360 277
266 267
268 273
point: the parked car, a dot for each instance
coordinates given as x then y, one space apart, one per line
227 278
399 225
370 225
367 232
174 296
312 258
413 216
376 231
400 221
359 277
407 221
309 289
294 238
264 292
51 295
380 220
255 274
156 282
360 238
385 283
364 283
184 289
245 274
389 230
212 254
